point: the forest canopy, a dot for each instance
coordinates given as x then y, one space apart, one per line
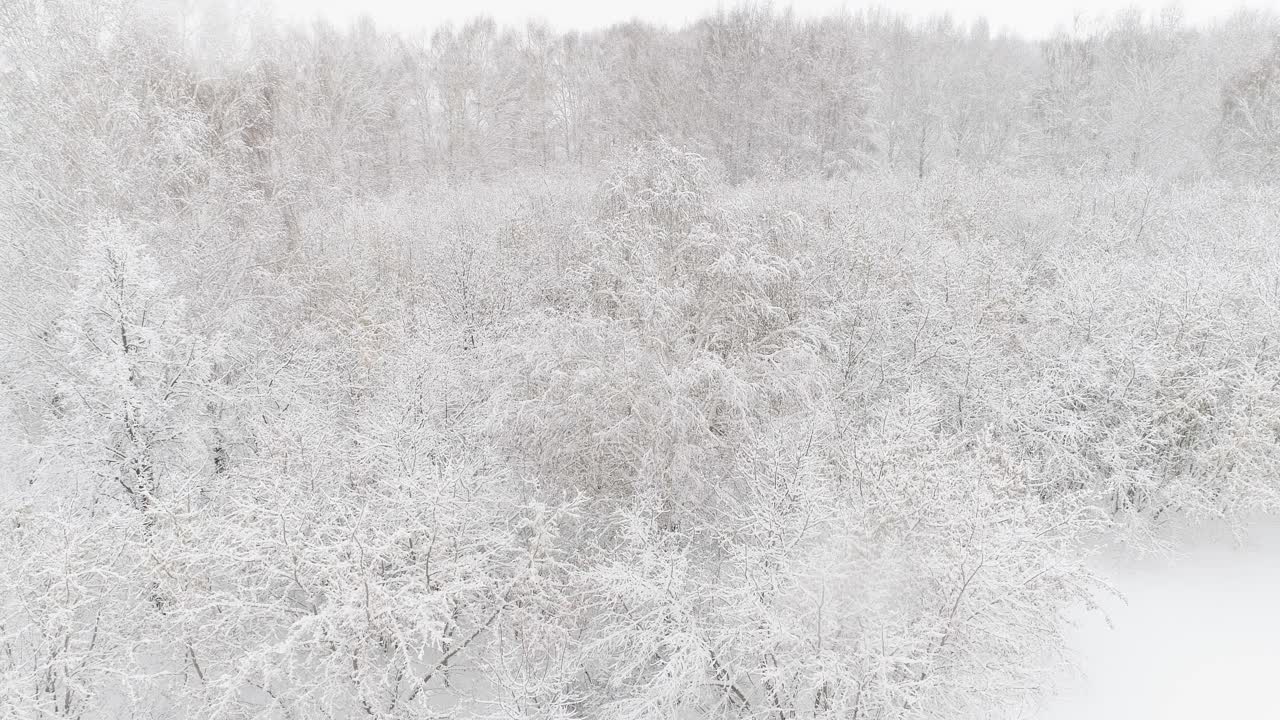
767 367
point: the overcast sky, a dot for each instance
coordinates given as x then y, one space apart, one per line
1035 18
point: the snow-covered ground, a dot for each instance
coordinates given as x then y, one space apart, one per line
1199 637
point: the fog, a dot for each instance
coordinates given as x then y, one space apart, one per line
1195 636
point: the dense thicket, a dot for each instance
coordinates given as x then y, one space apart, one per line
765 368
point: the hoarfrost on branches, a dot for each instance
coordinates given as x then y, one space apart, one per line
762 368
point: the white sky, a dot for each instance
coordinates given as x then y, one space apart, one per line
1033 18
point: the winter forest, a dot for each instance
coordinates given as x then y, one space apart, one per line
765 368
